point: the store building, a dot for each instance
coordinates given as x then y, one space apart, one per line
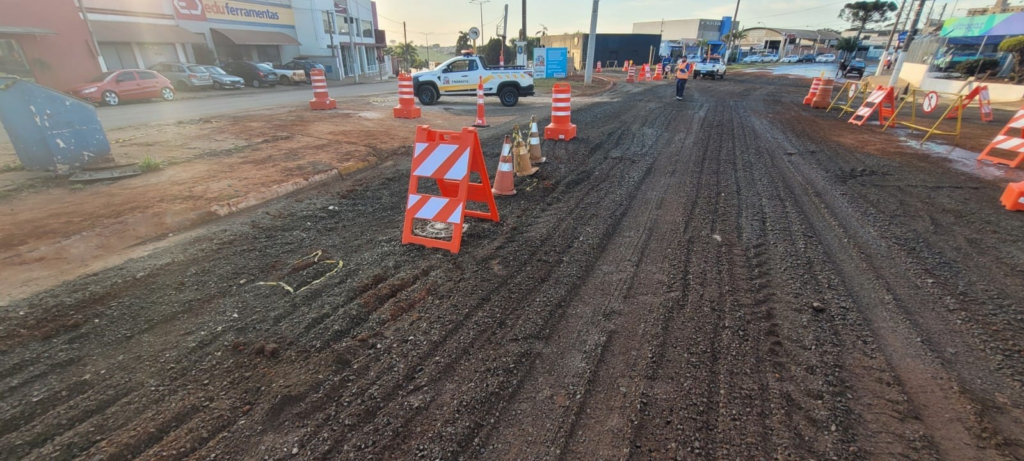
134 34
343 36
50 46
787 41
242 30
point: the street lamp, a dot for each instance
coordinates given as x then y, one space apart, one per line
481 3
426 36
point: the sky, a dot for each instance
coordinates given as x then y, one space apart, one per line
443 19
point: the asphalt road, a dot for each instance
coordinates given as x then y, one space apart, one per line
211 103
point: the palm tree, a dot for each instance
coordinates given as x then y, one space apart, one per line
860 14
701 45
732 38
543 32
407 54
463 42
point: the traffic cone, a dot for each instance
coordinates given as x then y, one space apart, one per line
1013 197
625 66
406 99
481 121
522 154
535 155
631 75
815 86
647 72
658 71
504 181
598 69
321 100
823 97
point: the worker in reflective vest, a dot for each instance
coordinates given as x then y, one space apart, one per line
683 71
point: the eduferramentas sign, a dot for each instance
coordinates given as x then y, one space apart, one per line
249 12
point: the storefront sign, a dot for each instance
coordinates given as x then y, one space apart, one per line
240 12
189 10
990 25
550 62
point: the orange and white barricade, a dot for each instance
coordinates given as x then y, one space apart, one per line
597 69
561 127
1013 197
447 157
1011 139
406 98
647 72
321 98
659 71
876 102
631 75
980 93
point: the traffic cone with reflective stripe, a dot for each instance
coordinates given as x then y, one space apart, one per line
481 121
535 155
504 181
522 154
598 69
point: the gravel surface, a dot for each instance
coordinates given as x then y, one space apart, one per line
734 276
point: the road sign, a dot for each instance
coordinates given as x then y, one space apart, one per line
853 91
474 33
931 101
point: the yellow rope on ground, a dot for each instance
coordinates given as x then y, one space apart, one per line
316 259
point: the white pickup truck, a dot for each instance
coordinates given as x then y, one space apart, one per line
460 77
287 76
711 66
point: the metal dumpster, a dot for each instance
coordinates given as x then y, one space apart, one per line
51 131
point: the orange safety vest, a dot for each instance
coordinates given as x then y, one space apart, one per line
683 72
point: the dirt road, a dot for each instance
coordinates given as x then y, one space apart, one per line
733 276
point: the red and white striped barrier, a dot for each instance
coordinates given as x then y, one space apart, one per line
321 98
1004 141
406 98
561 127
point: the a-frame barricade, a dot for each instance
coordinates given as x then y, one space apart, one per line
882 100
980 93
447 157
930 102
851 91
1010 139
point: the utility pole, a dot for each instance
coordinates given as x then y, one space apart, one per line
885 52
92 36
504 32
481 3
588 75
522 33
426 37
405 38
352 44
335 53
906 45
732 33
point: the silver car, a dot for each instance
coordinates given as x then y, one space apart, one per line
223 80
184 75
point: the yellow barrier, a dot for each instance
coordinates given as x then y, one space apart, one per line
913 97
851 90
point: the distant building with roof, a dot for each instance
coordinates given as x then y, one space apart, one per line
788 41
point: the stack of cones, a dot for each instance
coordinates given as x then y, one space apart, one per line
522 154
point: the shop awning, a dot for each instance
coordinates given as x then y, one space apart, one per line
25 30
128 32
254 37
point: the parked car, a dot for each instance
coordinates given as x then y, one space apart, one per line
110 88
223 80
825 58
790 58
184 75
806 58
769 57
286 76
752 59
304 65
257 75
857 66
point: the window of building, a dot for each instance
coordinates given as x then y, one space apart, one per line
342 23
12 60
326 16
367 28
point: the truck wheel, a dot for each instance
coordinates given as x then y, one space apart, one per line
509 96
285 80
722 76
428 95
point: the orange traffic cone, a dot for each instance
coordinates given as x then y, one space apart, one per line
504 181
321 100
815 86
631 75
658 71
1013 197
625 66
481 121
535 155
522 154
647 72
598 69
823 97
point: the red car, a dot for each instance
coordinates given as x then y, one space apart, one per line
110 88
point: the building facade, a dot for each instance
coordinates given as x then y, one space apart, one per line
788 41
872 42
610 49
687 30
1001 7
61 43
49 45
342 35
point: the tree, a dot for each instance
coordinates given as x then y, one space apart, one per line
735 36
463 42
701 45
543 32
406 53
1015 45
491 52
847 44
860 14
